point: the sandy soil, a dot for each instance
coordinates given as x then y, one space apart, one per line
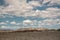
44 35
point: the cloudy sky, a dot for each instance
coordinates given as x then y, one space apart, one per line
15 14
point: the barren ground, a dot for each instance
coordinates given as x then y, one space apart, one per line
44 35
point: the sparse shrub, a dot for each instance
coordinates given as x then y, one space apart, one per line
58 30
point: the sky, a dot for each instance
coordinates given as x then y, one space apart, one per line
16 14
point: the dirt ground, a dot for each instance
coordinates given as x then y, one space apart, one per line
44 35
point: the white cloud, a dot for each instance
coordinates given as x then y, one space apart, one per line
27 22
54 13
48 13
3 27
13 22
8 27
49 23
21 8
3 23
34 3
33 23
52 9
46 1
15 7
41 23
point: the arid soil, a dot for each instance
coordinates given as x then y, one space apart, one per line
40 35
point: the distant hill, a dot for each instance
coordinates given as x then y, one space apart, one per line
29 30
6 30
32 29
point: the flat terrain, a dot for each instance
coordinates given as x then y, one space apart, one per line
40 35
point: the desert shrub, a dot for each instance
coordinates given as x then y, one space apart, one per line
58 30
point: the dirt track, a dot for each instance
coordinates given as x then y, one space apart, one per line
45 35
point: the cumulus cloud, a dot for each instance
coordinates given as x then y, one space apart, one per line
54 13
15 7
48 13
27 21
34 3
50 22
21 8
13 23
3 23
9 28
33 23
3 27
42 23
